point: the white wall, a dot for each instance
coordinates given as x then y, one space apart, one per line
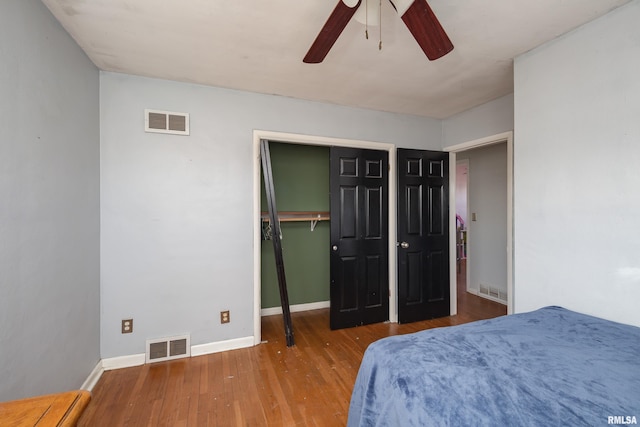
49 205
577 176
488 119
487 236
177 211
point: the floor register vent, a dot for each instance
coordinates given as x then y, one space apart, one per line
493 293
161 349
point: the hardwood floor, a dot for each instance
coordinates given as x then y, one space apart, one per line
306 385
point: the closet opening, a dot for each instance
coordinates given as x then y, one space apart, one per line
301 184
301 170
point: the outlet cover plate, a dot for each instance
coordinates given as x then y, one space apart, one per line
127 326
225 317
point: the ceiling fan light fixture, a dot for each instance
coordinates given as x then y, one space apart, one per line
368 13
416 14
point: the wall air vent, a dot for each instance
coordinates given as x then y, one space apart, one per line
162 349
166 122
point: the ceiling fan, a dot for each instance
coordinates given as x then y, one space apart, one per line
416 14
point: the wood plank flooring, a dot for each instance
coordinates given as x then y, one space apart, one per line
306 385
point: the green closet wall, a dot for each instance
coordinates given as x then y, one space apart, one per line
301 181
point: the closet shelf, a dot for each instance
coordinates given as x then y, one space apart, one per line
296 216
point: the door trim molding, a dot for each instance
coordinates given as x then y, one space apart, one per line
453 149
467 214
257 233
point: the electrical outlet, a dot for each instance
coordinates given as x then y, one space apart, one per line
224 317
127 326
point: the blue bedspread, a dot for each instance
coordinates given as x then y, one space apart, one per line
549 367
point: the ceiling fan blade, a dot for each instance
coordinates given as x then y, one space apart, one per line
328 35
426 29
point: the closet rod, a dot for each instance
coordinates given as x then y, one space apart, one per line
296 216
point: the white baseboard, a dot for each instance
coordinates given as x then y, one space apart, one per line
294 308
216 347
485 296
93 377
123 361
140 359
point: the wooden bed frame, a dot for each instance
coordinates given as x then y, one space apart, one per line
60 409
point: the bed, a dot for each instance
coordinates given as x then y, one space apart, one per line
548 367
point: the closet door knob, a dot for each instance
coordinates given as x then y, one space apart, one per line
334 248
404 245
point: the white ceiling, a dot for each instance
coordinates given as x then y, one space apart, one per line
258 46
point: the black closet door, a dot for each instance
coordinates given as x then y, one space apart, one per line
359 291
423 235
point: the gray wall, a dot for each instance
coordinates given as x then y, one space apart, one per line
49 205
484 120
487 236
577 181
177 228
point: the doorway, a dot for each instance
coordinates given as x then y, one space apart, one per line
503 138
